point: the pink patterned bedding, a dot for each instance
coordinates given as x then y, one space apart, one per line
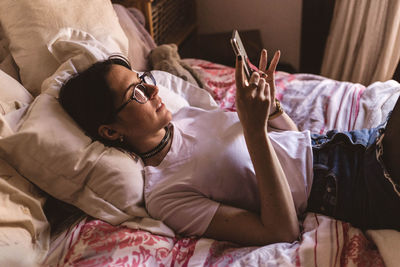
324 242
314 103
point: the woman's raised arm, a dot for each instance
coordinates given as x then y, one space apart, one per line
277 221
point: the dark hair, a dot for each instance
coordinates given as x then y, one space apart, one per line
88 98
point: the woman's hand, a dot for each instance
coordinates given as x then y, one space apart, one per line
269 74
253 99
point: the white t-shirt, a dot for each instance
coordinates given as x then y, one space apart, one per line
208 164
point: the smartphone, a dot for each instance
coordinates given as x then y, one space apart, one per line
238 49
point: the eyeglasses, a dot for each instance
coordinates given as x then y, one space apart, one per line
139 92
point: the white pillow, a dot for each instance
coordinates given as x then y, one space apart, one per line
12 96
30 25
54 153
7 63
11 90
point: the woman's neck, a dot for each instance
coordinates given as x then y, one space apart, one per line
157 158
147 143
154 148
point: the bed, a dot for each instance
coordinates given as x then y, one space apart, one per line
101 221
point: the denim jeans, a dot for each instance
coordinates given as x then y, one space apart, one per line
349 182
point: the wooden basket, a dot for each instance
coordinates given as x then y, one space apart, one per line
168 21
172 20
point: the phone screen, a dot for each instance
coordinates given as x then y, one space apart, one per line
239 49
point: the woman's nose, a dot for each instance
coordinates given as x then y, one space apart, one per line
151 90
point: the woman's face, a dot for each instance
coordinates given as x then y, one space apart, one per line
136 120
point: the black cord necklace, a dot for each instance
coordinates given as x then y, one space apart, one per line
161 145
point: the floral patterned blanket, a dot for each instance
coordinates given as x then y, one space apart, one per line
324 242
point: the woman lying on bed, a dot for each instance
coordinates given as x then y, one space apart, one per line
221 175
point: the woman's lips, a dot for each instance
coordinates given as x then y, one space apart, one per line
160 106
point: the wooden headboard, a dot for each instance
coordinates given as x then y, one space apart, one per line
167 21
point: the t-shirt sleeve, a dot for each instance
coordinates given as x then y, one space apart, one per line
187 213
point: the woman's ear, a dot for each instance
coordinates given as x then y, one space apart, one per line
107 132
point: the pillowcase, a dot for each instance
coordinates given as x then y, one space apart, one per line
54 153
12 94
7 63
44 18
12 90
58 157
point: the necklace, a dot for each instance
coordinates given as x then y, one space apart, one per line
161 145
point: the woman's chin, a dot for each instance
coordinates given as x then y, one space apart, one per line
168 115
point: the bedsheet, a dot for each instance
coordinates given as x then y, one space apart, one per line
324 242
314 103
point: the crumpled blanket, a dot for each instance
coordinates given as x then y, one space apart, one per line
314 102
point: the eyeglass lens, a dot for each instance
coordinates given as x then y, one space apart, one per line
140 93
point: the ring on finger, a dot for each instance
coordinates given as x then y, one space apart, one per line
254 79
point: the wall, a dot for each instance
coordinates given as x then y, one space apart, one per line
279 22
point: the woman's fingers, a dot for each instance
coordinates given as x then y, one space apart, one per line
261 89
255 86
254 80
239 73
274 61
263 61
263 75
